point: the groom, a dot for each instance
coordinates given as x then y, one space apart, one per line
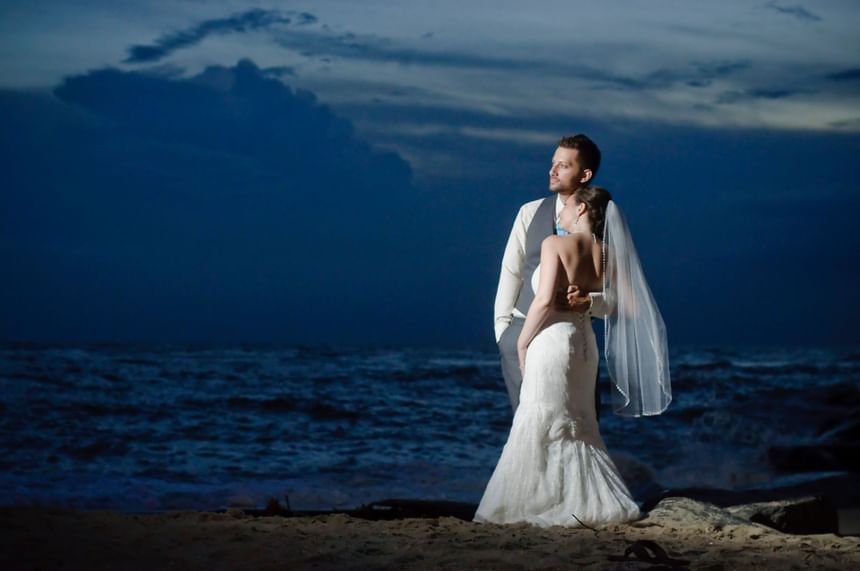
574 164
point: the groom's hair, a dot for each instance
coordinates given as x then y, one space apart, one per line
589 154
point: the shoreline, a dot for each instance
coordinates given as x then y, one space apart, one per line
706 535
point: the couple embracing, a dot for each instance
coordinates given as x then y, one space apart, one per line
570 257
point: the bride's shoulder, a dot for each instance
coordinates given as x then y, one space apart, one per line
552 243
551 240
568 246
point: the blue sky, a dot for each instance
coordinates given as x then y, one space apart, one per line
335 172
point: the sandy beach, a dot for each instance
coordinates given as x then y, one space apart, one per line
707 536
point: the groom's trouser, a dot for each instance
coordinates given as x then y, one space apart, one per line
511 365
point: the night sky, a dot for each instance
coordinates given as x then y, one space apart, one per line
347 173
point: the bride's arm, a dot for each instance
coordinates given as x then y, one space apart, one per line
541 306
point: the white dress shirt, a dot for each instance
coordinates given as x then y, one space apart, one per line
511 277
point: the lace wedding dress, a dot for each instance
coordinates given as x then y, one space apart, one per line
554 468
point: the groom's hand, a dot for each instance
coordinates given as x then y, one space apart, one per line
572 300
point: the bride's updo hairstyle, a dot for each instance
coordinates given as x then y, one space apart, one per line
596 198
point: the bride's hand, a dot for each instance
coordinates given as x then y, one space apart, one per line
521 353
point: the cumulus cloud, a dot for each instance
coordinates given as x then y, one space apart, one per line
226 204
237 110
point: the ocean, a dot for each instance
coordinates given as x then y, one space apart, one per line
158 427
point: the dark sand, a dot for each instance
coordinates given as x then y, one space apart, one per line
708 536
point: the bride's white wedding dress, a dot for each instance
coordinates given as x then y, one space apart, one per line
555 467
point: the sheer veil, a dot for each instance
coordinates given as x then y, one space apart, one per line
637 355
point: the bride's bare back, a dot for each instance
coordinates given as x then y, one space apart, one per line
581 262
564 260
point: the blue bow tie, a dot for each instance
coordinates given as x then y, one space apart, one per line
560 231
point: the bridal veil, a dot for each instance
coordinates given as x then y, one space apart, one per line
637 355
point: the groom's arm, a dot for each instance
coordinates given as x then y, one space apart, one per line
600 304
510 278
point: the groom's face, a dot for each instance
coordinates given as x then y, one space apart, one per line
565 174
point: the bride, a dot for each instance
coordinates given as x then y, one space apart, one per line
554 468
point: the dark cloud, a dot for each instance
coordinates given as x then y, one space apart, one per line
236 110
324 44
698 74
796 11
845 75
248 21
224 206
230 207
848 124
706 31
719 68
774 93
349 45
761 93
